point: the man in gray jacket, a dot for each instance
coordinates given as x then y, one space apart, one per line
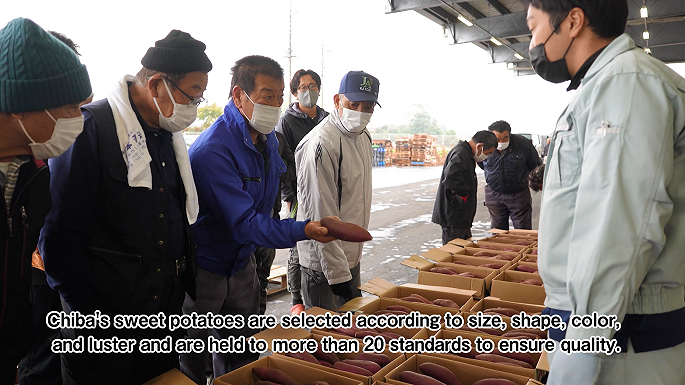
334 178
613 206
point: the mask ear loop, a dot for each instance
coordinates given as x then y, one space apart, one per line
26 133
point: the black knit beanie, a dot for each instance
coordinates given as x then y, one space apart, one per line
37 71
178 53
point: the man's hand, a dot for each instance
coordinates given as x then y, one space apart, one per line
314 230
343 289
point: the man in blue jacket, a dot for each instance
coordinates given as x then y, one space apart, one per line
237 168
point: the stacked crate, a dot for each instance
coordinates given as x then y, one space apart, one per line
423 150
402 152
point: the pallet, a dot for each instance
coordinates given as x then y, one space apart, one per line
279 276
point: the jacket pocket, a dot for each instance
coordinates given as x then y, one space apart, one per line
564 165
114 275
119 174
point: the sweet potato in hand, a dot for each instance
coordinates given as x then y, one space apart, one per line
345 231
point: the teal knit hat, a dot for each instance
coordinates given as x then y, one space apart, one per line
37 71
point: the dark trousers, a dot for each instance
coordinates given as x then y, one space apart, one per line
501 206
450 233
317 292
40 366
237 295
264 258
121 368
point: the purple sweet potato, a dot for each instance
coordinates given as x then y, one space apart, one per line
492 265
401 308
485 254
504 257
422 298
274 375
494 381
526 269
532 281
443 270
524 357
446 303
368 365
505 311
345 231
418 379
304 356
352 369
330 357
440 373
379 358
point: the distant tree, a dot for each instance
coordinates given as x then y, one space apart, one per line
423 123
450 132
206 115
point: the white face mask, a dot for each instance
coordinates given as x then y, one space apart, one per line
308 98
65 133
481 157
502 146
264 118
182 117
355 121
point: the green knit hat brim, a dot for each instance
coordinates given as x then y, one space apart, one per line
27 95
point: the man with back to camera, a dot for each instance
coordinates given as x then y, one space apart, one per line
118 239
455 204
298 120
506 176
237 168
613 203
334 178
42 86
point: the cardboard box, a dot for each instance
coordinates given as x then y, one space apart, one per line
385 289
523 232
507 286
467 373
479 285
383 303
172 377
530 258
472 251
463 256
454 333
511 240
492 302
542 369
281 333
298 371
533 382
461 242
485 244
451 248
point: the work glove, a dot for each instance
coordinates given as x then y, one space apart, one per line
574 369
343 289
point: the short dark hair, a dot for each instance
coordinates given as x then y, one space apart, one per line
488 139
64 39
295 81
606 18
500 126
245 71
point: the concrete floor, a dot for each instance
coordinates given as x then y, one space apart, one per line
401 226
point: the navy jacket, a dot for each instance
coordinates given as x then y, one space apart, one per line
507 171
237 187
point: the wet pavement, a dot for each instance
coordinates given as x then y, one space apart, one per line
400 223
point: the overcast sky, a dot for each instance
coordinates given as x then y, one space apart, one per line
414 63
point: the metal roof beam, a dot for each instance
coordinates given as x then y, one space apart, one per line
659 34
658 8
499 7
413 5
670 54
469 8
503 54
504 27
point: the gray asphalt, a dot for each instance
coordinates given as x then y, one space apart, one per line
401 226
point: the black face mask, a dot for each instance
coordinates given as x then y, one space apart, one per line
552 71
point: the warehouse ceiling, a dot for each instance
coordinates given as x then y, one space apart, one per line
499 27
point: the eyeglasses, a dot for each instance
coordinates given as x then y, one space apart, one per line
193 101
311 87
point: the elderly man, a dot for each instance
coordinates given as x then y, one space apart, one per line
42 85
613 204
455 204
117 239
237 167
333 164
506 174
300 117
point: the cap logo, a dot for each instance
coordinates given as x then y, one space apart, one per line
366 84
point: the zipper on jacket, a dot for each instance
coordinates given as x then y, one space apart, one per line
251 179
4 282
23 240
